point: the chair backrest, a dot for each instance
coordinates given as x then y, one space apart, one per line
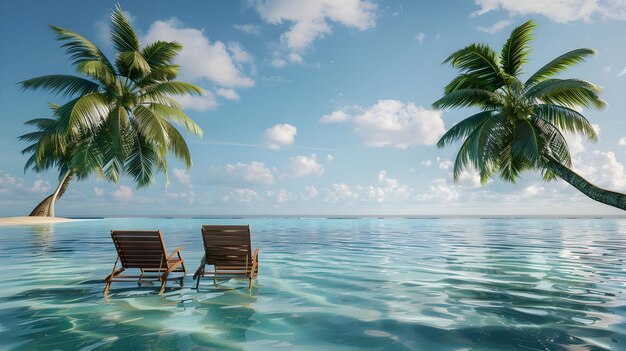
140 249
227 245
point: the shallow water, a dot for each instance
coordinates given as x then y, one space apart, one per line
336 284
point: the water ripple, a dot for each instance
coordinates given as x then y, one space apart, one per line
343 284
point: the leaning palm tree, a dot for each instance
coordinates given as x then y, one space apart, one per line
521 124
49 149
120 116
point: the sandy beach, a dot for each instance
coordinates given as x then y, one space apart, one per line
27 220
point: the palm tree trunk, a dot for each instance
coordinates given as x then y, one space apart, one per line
604 196
46 207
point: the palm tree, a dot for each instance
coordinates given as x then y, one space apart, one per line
119 118
521 124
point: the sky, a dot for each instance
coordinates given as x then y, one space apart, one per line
318 107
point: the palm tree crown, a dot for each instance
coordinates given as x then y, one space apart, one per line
120 116
521 124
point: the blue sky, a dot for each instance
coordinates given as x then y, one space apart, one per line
318 107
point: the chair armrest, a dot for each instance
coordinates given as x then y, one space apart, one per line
255 256
176 251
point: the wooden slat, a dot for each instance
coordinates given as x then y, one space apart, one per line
140 249
228 249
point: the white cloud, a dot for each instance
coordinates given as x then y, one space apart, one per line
622 72
441 190
329 158
427 163
198 103
335 117
621 141
182 176
281 196
248 28
310 192
420 37
98 191
200 59
470 178
294 58
532 190
123 193
253 172
39 186
301 166
279 135
387 187
186 196
602 168
398 124
338 191
278 62
561 11
7 183
239 54
229 94
444 164
310 19
496 27
241 195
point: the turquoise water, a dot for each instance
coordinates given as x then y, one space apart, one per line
335 284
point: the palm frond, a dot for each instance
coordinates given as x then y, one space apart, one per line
567 92
464 128
178 145
555 143
80 48
61 84
97 70
482 98
86 111
487 145
132 64
140 162
122 33
527 142
515 51
173 88
559 64
466 81
117 122
161 53
150 126
161 99
177 116
567 120
159 74
480 61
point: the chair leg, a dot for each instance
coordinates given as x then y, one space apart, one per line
107 286
163 282
199 273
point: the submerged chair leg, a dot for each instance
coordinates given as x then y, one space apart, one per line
107 286
109 278
163 282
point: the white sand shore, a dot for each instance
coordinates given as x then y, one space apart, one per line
26 220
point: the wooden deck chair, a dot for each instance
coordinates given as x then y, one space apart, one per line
144 250
227 248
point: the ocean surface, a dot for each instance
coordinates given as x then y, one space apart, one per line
327 284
